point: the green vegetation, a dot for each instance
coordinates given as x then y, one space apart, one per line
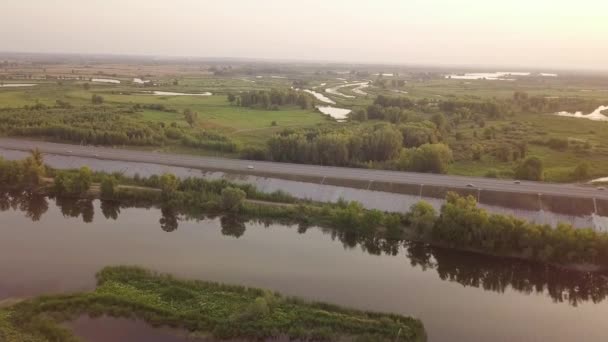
23 173
73 184
202 308
272 99
257 112
460 224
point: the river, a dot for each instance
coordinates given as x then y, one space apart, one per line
54 246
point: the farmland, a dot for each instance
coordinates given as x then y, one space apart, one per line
480 143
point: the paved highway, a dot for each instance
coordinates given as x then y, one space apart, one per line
243 167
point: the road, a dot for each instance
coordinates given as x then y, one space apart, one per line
259 167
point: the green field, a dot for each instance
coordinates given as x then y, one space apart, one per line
254 126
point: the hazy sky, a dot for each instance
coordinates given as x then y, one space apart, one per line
542 33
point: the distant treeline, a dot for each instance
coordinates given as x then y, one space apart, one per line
272 99
100 125
401 108
373 146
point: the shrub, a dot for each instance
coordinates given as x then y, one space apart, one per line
530 169
232 199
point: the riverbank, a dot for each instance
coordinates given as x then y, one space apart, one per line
460 224
204 308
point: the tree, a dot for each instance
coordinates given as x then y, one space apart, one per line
232 199
108 186
530 169
581 171
477 151
168 185
461 223
440 121
33 168
231 98
503 153
190 116
60 183
82 182
422 217
433 158
96 99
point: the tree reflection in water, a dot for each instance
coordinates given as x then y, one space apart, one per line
34 205
110 209
469 269
232 225
500 274
169 219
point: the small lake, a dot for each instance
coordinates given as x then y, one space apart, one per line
596 115
56 246
105 80
17 85
499 75
140 81
108 329
339 114
170 93
320 96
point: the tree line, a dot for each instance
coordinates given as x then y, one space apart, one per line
272 99
109 126
460 223
407 147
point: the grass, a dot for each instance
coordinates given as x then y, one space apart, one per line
213 111
201 307
252 127
246 126
540 127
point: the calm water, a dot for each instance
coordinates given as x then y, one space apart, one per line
108 329
50 246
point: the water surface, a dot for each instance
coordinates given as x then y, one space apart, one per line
170 93
596 115
108 329
320 96
17 85
53 246
105 80
140 81
339 114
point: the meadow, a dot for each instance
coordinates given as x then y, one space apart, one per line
247 127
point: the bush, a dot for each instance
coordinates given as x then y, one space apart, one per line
433 158
581 171
254 153
422 218
530 169
559 144
97 99
232 199
108 186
